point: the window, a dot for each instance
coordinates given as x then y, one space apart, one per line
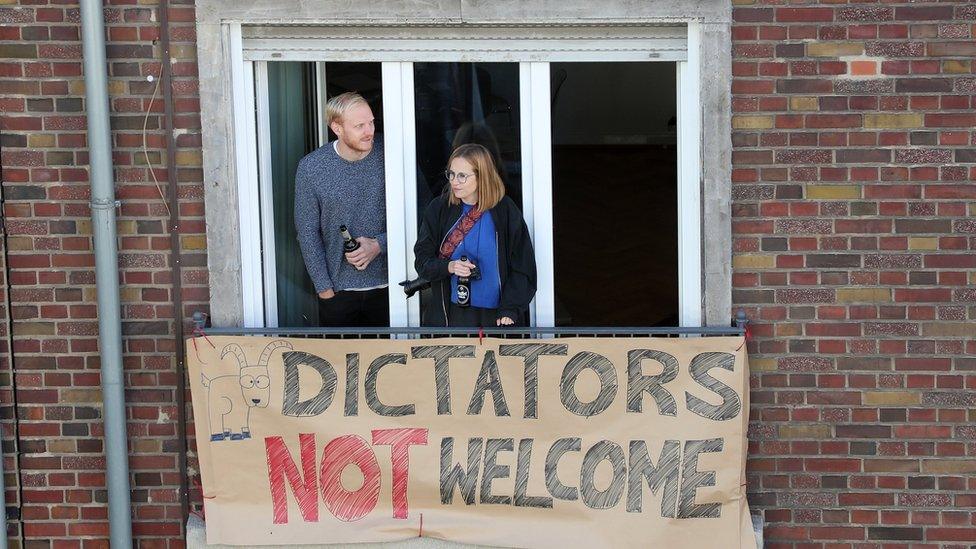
536 88
615 208
588 150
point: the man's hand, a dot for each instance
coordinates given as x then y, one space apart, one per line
369 248
460 268
504 321
327 294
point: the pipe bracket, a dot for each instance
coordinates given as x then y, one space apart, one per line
104 204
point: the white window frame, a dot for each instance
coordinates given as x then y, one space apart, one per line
689 128
267 243
536 126
257 263
401 186
249 210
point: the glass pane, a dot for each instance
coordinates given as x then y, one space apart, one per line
294 120
458 103
291 93
614 163
363 78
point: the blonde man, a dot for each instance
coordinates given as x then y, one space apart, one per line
342 183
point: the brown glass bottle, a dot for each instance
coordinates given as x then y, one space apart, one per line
464 288
349 244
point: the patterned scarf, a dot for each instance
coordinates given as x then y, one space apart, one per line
459 231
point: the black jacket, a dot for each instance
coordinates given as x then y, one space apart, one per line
516 259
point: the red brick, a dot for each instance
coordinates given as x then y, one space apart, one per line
923 13
794 15
960 120
859 499
932 294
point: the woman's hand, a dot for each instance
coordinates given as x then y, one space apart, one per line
460 268
504 321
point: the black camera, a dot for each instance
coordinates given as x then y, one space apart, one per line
411 287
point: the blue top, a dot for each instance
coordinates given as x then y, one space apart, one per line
481 247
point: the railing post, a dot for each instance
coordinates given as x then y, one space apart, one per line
741 320
199 321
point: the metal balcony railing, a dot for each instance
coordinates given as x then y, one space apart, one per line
519 332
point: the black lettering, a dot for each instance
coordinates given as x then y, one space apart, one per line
553 484
603 499
665 474
372 399
638 383
442 373
352 384
452 475
320 402
608 383
530 353
493 470
731 404
692 478
488 380
522 479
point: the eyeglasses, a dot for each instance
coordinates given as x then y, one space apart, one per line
461 176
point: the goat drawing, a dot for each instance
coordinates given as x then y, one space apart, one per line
230 398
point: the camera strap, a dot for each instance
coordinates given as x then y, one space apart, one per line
460 230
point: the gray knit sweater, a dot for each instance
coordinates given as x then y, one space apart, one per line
331 191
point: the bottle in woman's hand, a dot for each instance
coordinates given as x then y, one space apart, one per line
464 288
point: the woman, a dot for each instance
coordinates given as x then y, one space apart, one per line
474 219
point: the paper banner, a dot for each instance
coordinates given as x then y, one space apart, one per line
567 442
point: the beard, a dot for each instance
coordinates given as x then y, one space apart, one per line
359 145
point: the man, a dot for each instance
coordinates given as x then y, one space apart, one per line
342 183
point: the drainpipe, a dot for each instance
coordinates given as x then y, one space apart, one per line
103 206
9 341
175 258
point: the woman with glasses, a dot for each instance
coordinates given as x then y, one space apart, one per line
473 219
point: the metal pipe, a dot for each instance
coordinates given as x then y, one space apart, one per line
565 331
103 206
9 342
175 258
3 490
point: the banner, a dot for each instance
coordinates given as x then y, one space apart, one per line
578 442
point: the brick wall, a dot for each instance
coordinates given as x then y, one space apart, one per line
853 188
854 244
61 479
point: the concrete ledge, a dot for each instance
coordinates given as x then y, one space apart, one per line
196 538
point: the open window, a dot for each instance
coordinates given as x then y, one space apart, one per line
598 136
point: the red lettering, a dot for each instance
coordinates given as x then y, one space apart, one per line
400 441
338 453
280 466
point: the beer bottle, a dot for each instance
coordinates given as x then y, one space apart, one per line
349 245
464 288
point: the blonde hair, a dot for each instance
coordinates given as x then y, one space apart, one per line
491 190
340 104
